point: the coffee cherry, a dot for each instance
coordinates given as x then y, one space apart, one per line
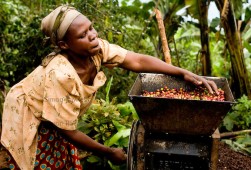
199 93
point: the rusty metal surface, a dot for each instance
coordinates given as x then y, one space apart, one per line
180 116
167 151
198 146
136 148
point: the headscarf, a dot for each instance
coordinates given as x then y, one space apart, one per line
55 25
57 22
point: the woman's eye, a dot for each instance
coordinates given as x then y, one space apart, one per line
83 35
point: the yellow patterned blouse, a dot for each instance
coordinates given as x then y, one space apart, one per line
53 93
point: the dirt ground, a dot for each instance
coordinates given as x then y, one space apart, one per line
231 160
228 159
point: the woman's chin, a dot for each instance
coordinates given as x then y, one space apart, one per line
95 50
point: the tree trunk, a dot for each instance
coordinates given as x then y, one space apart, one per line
205 51
240 84
161 26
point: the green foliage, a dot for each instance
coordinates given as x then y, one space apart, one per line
10 26
188 46
122 82
239 117
246 39
140 23
188 51
193 8
108 123
220 58
238 7
3 92
241 143
20 42
1 106
172 20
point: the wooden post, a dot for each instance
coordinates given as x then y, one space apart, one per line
161 26
215 149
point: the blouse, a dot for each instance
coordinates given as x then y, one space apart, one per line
52 92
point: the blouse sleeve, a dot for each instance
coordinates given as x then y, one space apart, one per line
61 104
112 55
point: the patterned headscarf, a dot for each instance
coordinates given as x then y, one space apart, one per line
57 22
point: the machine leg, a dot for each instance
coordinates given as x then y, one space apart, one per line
215 149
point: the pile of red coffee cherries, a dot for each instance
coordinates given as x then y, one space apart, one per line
199 93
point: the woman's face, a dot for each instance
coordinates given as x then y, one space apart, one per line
81 37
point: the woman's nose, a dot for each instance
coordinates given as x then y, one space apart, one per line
92 35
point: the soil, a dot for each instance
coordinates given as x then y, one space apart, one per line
231 160
228 159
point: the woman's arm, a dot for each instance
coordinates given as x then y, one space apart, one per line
81 140
142 63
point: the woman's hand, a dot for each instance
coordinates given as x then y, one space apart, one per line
117 156
81 140
198 80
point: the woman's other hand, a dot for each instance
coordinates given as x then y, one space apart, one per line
117 156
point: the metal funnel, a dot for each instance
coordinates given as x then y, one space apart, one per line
178 116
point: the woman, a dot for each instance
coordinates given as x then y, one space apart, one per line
41 112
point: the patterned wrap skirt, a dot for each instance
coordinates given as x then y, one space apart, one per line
53 151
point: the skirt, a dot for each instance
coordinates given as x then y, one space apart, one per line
53 151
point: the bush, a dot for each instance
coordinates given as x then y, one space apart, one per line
108 123
239 118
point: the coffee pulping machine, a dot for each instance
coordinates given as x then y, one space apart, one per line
175 134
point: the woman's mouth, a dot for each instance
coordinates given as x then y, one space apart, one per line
95 49
96 46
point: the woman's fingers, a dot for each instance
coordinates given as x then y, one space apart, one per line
213 86
210 85
118 156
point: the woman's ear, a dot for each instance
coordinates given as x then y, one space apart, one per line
63 45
